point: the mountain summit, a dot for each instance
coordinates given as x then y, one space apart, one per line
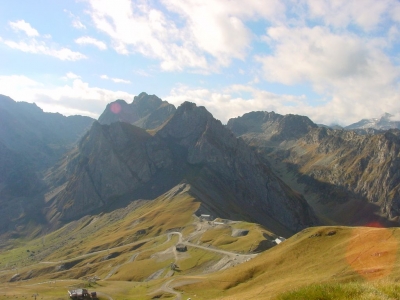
385 122
117 163
146 111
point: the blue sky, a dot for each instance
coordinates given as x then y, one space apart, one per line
335 61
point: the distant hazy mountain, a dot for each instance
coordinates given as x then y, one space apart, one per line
121 162
146 111
336 126
30 141
383 123
38 136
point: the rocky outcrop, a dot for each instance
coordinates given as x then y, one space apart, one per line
366 166
121 161
146 111
230 173
111 162
338 166
269 126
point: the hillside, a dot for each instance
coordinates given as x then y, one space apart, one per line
129 249
127 254
30 142
115 164
317 263
348 178
121 212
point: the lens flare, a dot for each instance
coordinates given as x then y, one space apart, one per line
371 252
115 108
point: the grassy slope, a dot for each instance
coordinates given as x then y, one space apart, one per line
95 245
352 263
312 257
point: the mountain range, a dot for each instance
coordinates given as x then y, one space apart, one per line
385 122
148 170
120 162
349 178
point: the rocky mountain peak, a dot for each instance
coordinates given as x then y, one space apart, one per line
187 124
146 111
144 98
385 122
121 161
386 116
271 126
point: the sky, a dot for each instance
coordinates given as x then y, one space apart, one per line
335 61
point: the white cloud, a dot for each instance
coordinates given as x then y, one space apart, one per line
116 80
354 72
218 28
75 98
16 83
40 47
33 44
21 25
78 24
229 102
204 36
87 40
142 73
315 54
235 100
366 14
71 75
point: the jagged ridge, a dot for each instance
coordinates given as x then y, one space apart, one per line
146 111
120 161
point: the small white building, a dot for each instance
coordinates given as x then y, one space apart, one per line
279 240
218 223
205 217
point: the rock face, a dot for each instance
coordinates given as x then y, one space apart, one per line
120 161
111 162
269 126
336 166
229 170
361 166
146 111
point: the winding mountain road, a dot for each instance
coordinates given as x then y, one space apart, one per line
166 287
224 252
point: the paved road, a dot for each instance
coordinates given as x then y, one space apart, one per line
166 287
229 253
